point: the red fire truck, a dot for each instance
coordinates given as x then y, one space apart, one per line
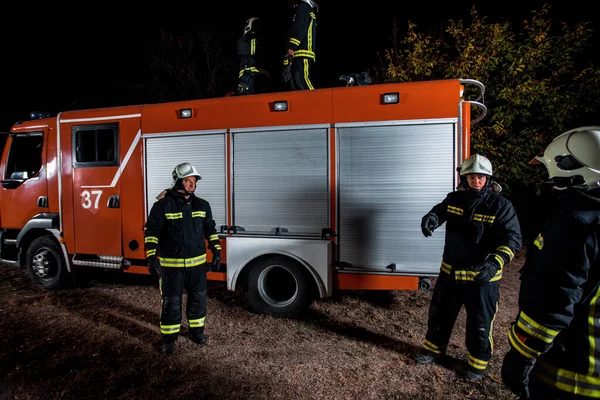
312 191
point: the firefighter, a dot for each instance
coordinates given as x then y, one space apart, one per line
253 76
555 338
301 46
482 236
175 235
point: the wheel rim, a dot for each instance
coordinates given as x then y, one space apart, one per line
44 264
277 286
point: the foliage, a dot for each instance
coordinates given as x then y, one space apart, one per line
186 65
538 82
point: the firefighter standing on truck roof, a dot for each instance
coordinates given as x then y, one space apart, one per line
253 76
301 47
482 236
175 232
558 322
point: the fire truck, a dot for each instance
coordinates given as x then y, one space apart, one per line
312 191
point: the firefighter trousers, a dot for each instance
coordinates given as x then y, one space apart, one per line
481 305
172 285
301 68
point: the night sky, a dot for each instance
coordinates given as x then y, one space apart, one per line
95 64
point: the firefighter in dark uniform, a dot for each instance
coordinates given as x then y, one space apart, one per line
555 338
253 76
301 46
176 230
482 236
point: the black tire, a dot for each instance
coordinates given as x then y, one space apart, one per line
278 287
46 265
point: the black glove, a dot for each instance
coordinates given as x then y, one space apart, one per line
428 224
154 267
487 269
515 372
287 68
216 261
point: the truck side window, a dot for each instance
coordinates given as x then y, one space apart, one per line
95 145
25 155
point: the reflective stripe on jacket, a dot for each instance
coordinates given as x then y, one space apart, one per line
176 230
478 224
302 37
559 302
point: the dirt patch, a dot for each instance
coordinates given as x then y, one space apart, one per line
102 341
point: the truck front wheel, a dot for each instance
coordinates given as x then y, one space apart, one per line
278 287
45 263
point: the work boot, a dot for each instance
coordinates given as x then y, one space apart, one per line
197 336
474 376
426 357
168 347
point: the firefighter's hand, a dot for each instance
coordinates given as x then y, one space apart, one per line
216 261
154 267
287 73
515 372
428 224
487 270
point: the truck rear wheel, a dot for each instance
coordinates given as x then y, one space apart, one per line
278 287
45 263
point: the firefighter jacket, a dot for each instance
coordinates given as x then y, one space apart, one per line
479 225
302 36
559 301
176 230
250 49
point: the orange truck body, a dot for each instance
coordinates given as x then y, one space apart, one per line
86 180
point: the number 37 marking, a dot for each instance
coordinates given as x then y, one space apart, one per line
86 198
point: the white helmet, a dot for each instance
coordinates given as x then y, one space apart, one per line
184 170
249 23
573 158
311 3
476 164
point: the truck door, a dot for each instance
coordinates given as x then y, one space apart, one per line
24 184
97 188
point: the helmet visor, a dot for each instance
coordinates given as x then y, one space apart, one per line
185 169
